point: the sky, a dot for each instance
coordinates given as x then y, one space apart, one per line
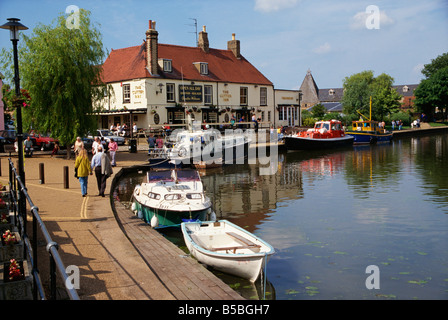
283 39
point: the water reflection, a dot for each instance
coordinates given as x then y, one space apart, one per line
331 214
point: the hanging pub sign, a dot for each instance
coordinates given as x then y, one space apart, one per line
190 93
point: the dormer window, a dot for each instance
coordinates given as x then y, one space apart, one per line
202 67
405 89
166 65
331 92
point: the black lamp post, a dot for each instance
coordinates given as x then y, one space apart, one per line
14 26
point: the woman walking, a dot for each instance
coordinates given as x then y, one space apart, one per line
82 164
113 147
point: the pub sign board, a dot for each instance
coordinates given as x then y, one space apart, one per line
190 93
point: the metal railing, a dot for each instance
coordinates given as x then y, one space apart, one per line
19 196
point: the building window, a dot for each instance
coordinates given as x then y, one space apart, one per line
126 93
281 113
204 68
208 95
243 96
170 94
167 66
263 96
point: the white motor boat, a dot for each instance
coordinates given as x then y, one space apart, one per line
169 197
227 248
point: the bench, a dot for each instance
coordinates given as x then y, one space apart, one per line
247 244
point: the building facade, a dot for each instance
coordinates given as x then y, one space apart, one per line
152 84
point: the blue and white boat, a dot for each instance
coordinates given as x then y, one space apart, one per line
169 197
368 131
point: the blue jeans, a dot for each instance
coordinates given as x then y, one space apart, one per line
83 182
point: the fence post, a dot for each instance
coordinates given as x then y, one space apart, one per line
41 173
65 177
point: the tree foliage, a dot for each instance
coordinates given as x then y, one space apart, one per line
358 89
432 92
60 69
318 111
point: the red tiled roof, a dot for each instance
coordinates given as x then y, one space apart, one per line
223 66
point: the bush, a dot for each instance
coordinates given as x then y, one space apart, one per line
403 116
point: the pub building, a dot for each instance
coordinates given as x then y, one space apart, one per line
153 83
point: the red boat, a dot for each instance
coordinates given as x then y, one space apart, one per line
325 134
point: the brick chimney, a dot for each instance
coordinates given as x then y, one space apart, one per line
234 46
203 40
152 37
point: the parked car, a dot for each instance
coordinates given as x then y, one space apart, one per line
42 142
9 137
107 135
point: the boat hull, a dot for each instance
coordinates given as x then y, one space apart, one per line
240 261
169 218
300 143
370 138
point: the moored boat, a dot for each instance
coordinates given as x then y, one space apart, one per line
324 135
369 131
169 197
226 247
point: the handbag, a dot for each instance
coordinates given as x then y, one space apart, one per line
76 173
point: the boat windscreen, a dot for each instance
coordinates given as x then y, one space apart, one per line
159 175
182 175
187 175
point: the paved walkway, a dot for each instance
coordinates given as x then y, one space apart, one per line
87 231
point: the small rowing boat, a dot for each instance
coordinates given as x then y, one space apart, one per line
226 247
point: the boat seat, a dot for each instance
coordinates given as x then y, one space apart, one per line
246 241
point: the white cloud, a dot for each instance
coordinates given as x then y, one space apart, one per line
274 5
361 19
325 48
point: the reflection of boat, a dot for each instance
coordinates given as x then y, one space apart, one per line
169 196
369 131
324 135
227 248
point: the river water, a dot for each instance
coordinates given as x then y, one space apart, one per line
333 217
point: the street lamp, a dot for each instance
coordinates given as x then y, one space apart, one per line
14 26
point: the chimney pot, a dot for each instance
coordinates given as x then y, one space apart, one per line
233 36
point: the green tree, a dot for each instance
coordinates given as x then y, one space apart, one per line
432 93
318 111
59 68
358 89
436 64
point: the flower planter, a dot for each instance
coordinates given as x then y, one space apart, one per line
11 251
18 289
6 222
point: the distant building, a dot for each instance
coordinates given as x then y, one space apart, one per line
158 83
